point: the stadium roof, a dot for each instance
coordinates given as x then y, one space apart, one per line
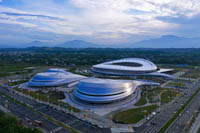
144 65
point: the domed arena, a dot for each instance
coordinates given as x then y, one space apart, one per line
51 79
95 90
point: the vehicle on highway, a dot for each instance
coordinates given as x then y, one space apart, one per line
37 123
153 113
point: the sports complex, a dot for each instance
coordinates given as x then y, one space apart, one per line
130 67
95 90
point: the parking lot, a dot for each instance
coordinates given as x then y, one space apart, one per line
67 119
23 113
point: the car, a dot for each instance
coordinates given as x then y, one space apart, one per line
153 113
28 120
37 122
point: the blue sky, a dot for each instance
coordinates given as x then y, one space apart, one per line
99 21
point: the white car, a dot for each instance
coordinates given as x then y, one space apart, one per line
153 113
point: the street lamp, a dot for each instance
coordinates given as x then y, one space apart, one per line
110 121
6 104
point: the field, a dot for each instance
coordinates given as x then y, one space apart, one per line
133 116
142 101
192 73
176 84
9 124
12 69
167 96
51 97
18 82
153 94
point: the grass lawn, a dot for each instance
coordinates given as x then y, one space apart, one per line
132 116
142 101
18 82
154 92
191 74
176 84
17 69
150 96
54 98
167 96
198 130
9 124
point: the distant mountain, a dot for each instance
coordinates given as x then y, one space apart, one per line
6 46
167 41
78 44
36 44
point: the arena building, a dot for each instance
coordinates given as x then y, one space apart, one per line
129 67
95 90
53 78
56 70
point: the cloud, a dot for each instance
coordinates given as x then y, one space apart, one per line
29 15
112 20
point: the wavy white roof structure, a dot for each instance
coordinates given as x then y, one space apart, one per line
56 70
95 90
129 67
143 65
50 79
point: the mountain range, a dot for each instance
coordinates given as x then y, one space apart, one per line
166 41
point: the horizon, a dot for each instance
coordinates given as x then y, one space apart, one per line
128 22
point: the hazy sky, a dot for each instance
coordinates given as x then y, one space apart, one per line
99 21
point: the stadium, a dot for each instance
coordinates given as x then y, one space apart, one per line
95 90
56 70
53 78
130 67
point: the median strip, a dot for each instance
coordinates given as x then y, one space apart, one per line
45 116
173 118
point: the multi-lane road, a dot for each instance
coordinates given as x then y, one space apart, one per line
179 124
23 113
58 115
168 110
151 126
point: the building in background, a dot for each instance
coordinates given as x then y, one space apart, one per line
130 67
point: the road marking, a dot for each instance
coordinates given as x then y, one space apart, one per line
56 129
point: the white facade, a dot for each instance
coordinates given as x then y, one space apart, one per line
95 90
129 67
53 78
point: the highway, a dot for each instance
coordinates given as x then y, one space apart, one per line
167 111
23 113
180 123
65 118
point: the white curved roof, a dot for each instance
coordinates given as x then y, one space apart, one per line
96 86
53 79
49 76
145 65
56 70
97 90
